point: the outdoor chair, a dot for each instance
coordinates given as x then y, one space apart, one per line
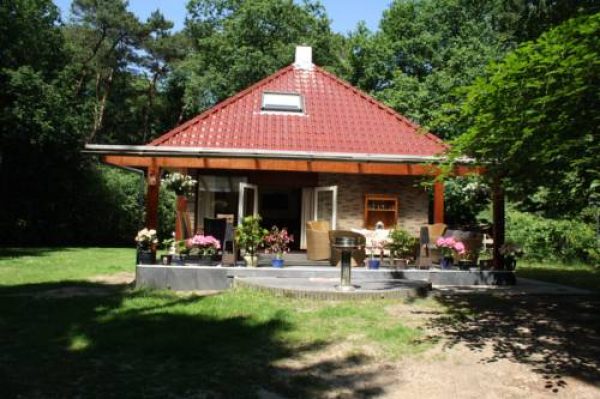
429 251
358 255
317 240
216 228
472 240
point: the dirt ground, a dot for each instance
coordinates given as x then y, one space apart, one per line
484 347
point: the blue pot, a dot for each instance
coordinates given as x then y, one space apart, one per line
373 264
278 263
446 263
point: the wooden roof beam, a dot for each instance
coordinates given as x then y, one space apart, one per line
346 167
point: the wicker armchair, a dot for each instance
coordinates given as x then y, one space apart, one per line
358 255
317 240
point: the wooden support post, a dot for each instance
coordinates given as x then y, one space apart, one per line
499 222
153 182
181 215
438 201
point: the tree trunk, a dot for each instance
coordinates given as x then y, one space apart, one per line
151 92
101 105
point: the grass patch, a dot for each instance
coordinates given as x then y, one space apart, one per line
576 275
142 343
37 265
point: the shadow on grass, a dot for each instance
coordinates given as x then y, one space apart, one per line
82 339
555 336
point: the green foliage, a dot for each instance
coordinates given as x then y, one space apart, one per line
118 209
250 234
402 244
534 120
29 36
166 213
465 197
548 239
426 51
423 51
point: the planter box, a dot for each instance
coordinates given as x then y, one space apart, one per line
200 260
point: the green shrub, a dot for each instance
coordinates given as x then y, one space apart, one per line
552 239
402 244
465 197
166 213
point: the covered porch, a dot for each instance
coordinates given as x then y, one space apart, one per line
290 189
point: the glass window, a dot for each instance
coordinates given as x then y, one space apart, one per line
289 102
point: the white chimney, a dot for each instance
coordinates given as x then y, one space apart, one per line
303 57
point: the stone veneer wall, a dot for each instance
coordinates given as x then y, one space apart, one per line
413 201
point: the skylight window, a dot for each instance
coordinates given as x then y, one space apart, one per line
283 102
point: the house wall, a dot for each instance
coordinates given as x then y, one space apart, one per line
413 200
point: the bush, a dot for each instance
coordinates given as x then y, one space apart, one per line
465 197
96 205
553 239
166 213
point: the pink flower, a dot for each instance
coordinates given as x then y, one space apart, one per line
460 248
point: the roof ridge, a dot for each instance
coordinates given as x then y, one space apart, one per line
219 106
381 105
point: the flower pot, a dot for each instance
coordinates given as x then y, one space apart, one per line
373 264
277 262
465 264
510 263
485 264
201 260
251 260
166 259
146 257
401 263
446 262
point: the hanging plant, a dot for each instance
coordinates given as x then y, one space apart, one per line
180 183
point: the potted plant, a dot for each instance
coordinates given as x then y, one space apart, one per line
449 247
201 249
465 260
401 245
249 236
485 258
277 242
146 241
169 246
182 185
510 251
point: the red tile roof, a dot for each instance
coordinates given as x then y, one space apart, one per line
337 118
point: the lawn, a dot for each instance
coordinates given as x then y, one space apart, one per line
44 265
120 342
576 275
